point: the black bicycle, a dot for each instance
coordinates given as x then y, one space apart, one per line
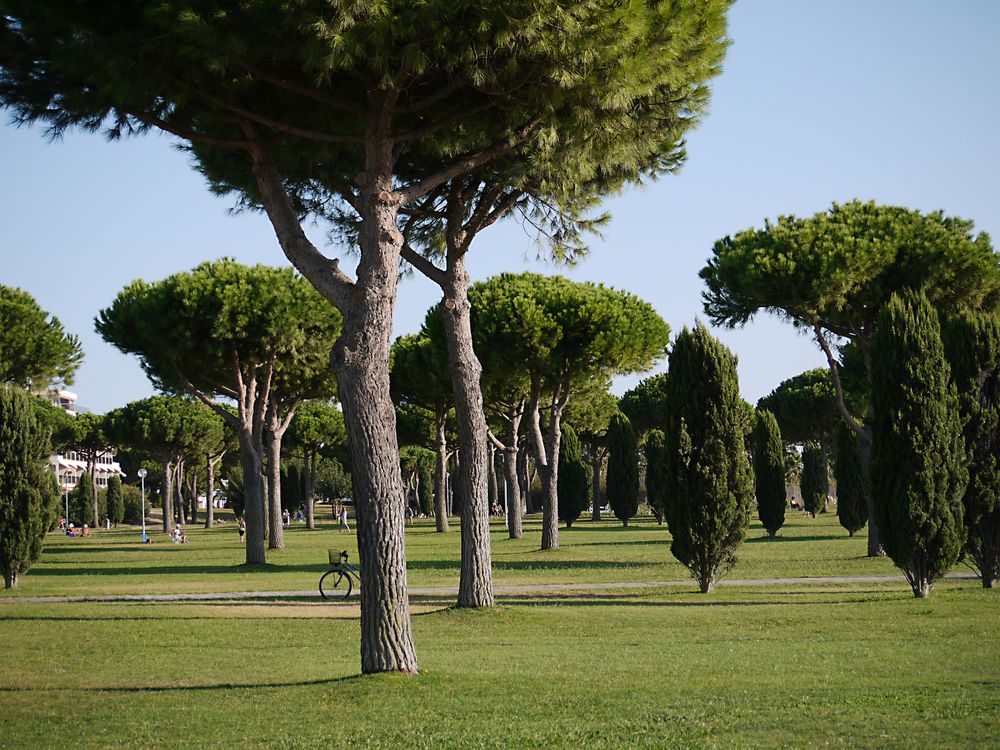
338 582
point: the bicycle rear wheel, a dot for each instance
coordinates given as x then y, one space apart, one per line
339 586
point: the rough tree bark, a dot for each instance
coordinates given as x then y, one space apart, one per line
360 360
475 587
546 452
493 495
168 495
310 471
441 475
272 447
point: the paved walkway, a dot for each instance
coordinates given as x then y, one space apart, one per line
451 591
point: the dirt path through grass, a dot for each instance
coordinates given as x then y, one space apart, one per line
541 588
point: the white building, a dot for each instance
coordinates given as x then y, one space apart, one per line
67 466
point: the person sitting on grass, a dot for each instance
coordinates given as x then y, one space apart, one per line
71 530
85 531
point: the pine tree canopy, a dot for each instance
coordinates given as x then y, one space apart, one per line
35 351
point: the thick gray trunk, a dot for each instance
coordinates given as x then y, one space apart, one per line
253 496
524 482
475 584
310 468
194 497
209 491
95 522
441 477
546 452
168 496
275 529
360 360
491 476
511 464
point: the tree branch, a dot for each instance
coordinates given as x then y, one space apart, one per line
163 125
298 88
432 99
834 371
466 164
422 264
322 272
431 127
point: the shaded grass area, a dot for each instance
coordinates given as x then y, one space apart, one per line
849 665
113 562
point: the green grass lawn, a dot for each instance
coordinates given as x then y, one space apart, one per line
852 665
113 562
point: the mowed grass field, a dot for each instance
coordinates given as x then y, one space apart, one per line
790 665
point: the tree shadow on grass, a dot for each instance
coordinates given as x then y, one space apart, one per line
454 565
186 688
781 539
623 543
608 600
238 568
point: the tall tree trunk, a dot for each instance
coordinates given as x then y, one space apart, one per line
864 432
524 482
209 491
491 477
475 583
360 360
194 497
253 497
596 464
441 476
511 462
310 472
546 451
275 529
168 496
179 489
95 523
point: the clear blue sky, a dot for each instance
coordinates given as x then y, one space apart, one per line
896 101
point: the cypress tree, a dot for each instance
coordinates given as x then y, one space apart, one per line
709 483
28 492
852 493
656 478
972 346
116 501
574 478
81 501
815 482
769 471
918 459
623 469
425 491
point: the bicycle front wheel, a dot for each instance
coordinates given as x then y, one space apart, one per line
339 586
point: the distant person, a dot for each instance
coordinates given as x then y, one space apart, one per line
286 519
85 531
344 526
107 523
242 529
71 530
62 523
177 535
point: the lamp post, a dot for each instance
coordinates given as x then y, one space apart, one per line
142 478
